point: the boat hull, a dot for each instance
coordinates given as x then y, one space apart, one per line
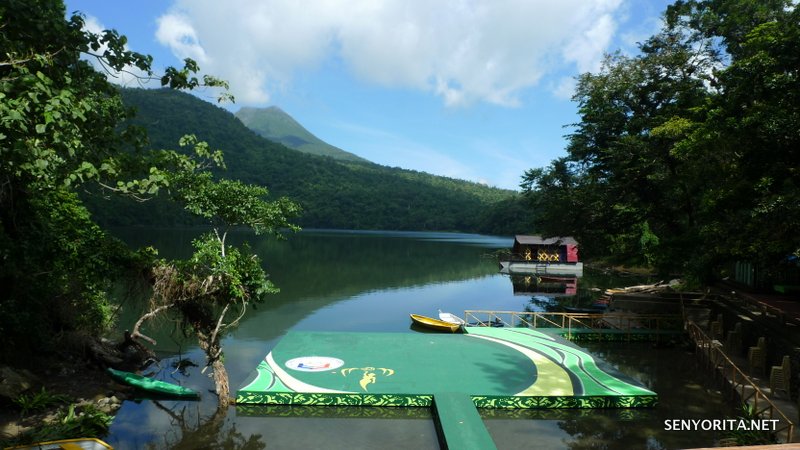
575 269
151 385
435 324
450 318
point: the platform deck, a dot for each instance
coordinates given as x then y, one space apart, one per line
496 367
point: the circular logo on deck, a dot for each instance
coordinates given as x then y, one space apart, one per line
314 363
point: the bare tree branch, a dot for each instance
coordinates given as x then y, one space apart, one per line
138 335
219 324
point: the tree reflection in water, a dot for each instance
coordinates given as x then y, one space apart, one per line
190 431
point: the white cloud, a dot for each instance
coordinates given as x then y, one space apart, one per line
461 50
176 32
565 88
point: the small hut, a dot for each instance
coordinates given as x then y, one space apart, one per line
545 250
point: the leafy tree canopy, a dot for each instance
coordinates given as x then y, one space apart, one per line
63 129
685 156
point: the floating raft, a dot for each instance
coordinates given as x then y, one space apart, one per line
495 367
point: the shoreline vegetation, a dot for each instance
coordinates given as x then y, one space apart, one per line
67 399
684 159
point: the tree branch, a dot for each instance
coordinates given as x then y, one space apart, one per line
219 325
137 335
129 194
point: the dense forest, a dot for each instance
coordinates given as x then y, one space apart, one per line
686 155
333 193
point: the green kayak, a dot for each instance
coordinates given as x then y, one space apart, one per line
151 385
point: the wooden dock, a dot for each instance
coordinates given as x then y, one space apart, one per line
747 388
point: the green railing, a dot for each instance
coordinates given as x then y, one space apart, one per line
579 322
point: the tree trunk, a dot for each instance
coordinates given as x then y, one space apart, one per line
213 351
221 383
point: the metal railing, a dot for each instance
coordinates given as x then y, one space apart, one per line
711 353
625 322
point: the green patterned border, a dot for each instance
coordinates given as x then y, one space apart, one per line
562 402
624 414
495 402
297 398
348 412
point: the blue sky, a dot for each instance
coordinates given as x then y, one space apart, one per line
470 89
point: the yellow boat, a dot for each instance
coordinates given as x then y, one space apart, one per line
435 324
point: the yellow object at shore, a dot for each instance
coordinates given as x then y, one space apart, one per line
66 444
435 324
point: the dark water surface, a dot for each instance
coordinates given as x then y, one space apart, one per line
371 281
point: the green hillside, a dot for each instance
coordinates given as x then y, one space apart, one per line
333 193
274 124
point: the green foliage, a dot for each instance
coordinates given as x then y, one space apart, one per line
58 265
74 422
233 203
685 156
77 422
60 133
747 436
38 401
237 273
507 217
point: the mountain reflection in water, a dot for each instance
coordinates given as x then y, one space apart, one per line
371 281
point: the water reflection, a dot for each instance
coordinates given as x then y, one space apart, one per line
566 293
684 392
184 425
361 281
532 284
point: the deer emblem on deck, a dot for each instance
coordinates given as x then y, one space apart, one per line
369 376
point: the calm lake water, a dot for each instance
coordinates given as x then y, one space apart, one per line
371 281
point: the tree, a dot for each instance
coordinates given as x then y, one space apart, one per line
749 134
685 155
217 279
622 189
58 131
62 130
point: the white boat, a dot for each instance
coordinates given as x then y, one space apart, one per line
452 318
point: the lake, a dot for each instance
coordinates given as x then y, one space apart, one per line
371 281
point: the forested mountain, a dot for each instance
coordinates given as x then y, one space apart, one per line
333 193
276 125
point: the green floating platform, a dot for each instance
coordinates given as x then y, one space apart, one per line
494 367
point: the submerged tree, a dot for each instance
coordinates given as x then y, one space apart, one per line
211 291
